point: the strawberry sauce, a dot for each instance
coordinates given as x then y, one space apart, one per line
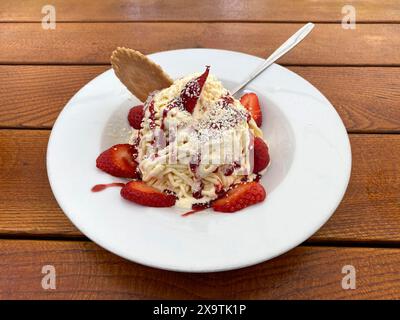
231 168
152 115
174 104
101 187
194 163
198 194
193 167
191 212
228 171
196 208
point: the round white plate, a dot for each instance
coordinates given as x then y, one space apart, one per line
309 171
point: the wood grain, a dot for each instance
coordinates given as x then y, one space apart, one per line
33 96
92 43
366 98
370 211
205 10
85 271
27 204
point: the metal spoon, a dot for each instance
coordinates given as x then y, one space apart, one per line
283 49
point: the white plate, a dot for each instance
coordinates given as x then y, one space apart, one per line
307 178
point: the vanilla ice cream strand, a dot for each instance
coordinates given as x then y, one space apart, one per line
181 175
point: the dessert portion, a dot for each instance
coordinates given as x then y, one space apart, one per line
193 145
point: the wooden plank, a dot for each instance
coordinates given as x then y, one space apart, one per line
27 204
370 211
85 271
205 10
92 43
366 98
33 96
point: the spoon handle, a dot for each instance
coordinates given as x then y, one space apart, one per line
283 49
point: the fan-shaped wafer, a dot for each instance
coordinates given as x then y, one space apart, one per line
138 73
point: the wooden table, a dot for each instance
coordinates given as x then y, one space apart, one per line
358 71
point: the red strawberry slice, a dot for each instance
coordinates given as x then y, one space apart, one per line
119 161
191 92
261 155
240 197
135 116
250 102
140 193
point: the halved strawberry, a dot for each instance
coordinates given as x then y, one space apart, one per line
261 155
135 116
141 193
250 102
119 161
240 197
191 92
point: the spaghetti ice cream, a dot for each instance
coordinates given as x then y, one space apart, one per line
193 144
195 155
